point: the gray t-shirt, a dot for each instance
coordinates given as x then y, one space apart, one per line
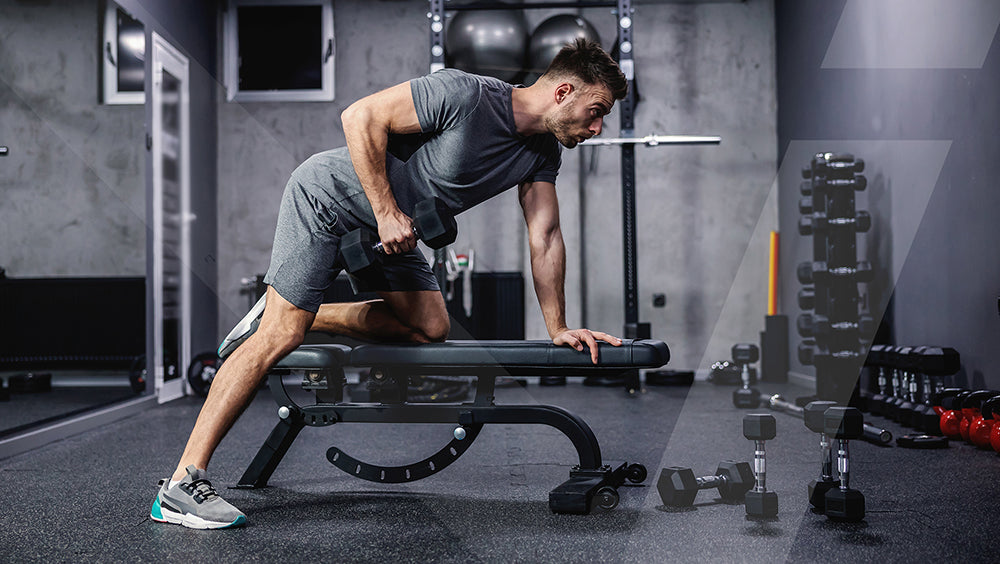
468 151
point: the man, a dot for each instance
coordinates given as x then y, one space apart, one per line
475 137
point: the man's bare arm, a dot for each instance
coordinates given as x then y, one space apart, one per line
548 267
367 125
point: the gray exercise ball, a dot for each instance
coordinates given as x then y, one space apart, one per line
552 35
488 42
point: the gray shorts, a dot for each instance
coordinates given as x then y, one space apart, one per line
305 258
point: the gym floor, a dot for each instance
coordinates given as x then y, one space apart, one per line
88 497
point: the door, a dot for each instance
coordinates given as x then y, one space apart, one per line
171 320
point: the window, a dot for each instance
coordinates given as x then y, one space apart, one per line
124 57
279 51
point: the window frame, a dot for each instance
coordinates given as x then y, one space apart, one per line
110 94
231 55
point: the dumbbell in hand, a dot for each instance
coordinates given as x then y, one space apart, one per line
678 486
844 503
760 427
433 223
813 416
744 355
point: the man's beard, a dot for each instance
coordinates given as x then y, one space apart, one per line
561 127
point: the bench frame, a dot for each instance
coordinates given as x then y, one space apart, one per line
590 480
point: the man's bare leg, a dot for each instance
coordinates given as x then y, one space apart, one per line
399 316
282 328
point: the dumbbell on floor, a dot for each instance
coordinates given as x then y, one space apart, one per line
433 223
678 486
760 427
844 503
813 414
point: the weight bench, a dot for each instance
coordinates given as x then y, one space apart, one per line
321 368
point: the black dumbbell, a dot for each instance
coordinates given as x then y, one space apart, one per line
745 397
911 387
900 381
807 298
878 361
813 414
678 486
810 325
844 503
760 427
818 221
808 354
934 363
809 272
433 223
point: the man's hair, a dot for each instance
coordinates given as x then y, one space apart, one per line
586 60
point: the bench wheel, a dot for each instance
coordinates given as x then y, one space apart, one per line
607 498
636 473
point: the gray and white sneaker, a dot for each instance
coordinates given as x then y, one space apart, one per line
242 331
194 503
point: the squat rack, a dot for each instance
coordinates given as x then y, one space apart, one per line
634 329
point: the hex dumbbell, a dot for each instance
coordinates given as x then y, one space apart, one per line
813 414
809 272
810 325
678 486
818 222
934 363
433 223
760 427
744 355
844 503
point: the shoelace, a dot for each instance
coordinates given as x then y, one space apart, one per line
201 490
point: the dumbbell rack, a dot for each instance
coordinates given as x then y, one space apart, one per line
834 334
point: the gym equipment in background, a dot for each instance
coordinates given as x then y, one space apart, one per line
492 43
552 35
835 334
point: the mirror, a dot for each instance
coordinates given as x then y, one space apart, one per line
72 215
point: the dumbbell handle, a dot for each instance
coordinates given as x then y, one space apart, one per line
759 467
379 248
709 482
844 464
826 450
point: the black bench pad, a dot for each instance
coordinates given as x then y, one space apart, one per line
476 354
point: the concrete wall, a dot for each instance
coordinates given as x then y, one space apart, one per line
702 68
911 87
72 191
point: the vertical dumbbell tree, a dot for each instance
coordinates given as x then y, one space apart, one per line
835 331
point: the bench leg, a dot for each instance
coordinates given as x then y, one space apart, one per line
271 453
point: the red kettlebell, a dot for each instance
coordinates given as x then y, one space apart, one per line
971 411
951 418
981 429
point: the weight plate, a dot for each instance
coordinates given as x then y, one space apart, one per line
922 441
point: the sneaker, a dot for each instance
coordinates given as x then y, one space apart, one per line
243 329
194 503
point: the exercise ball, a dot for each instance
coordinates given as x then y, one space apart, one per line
488 42
552 35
